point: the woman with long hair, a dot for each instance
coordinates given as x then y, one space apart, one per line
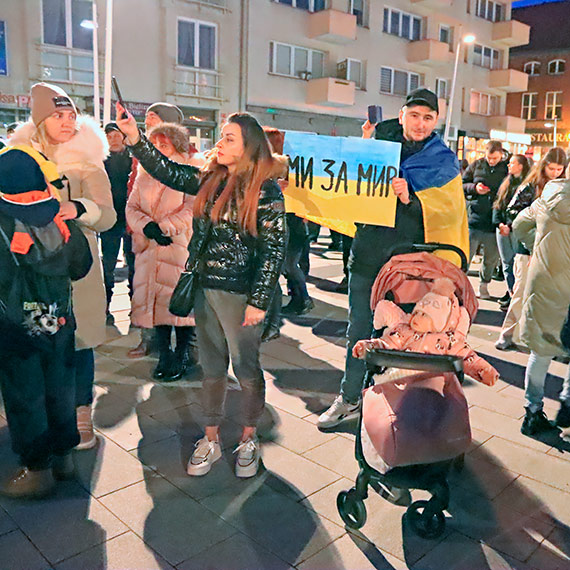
550 167
238 245
78 146
161 223
506 242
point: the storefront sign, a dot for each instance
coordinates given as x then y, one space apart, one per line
341 178
547 138
15 100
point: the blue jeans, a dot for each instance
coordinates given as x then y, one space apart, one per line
359 328
535 376
507 250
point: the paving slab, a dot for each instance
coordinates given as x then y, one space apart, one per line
18 553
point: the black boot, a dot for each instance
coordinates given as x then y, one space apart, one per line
164 366
535 423
563 415
184 360
298 306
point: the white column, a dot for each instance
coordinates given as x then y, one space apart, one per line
96 106
108 62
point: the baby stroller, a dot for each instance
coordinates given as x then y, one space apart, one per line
405 279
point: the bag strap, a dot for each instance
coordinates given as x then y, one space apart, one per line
8 245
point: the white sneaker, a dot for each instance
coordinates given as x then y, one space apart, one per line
247 462
87 436
483 291
338 412
205 455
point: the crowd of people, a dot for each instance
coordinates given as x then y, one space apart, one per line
70 190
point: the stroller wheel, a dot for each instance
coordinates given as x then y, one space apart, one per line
425 523
352 510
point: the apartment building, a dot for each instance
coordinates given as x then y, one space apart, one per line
545 105
181 51
317 64
311 65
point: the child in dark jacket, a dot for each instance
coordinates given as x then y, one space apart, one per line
40 254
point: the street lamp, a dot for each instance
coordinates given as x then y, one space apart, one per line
92 25
467 39
555 125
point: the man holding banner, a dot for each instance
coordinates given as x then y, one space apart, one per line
430 208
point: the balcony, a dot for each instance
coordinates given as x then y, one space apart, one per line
66 65
332 26
198 84
330 92
509 80
511 33
506 123
429 52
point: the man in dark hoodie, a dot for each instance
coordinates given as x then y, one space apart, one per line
431 207
481 182
118 166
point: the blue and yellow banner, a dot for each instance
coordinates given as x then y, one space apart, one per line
340 181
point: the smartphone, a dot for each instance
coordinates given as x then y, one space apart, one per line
118 94
374 114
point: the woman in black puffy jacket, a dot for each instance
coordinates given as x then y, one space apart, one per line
239 243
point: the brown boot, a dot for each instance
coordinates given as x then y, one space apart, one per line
139 351
85 428
27 484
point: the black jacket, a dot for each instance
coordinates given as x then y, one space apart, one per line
118 166
480 206
372 245
500 214
231 260
523 198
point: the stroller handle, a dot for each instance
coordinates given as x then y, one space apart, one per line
430 248
438 363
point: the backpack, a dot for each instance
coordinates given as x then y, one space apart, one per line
35 303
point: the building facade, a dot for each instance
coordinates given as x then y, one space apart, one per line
545 105
311 65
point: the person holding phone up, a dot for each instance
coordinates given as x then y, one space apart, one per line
481 183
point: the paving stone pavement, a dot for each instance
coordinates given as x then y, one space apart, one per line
133 507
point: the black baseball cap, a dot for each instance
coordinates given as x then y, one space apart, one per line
422 96
111 127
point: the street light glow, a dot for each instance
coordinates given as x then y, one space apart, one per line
468 39
88 24
548 125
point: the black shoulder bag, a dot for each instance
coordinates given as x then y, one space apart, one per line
182 300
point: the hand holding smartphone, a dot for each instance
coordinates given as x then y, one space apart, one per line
374 114
119 97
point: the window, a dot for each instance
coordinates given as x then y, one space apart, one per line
295 61
402 24
397 82
445 34
483 104
62 23
196 44
311 5
441 88
528 107
357 8
486 57
3 49
556 67
553 105
350 69
492 11
532 68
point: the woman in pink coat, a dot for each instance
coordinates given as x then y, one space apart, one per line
161 221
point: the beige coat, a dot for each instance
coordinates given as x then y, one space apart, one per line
547 292
81 161
157 268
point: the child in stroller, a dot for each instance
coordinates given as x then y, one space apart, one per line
414 419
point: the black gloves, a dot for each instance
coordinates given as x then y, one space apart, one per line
152 231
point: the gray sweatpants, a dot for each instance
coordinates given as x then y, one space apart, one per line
219 330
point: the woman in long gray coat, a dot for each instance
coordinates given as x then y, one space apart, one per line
544 228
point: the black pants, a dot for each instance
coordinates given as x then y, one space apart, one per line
110 245
39 396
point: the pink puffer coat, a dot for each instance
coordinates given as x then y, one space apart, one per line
157 268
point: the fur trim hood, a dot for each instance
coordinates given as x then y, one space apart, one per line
88 146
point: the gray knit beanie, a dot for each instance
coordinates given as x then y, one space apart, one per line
167 112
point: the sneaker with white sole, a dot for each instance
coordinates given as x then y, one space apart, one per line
205 455
87 436
248 453
338 412
483 292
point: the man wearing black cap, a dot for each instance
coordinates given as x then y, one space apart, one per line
431 207
118 166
